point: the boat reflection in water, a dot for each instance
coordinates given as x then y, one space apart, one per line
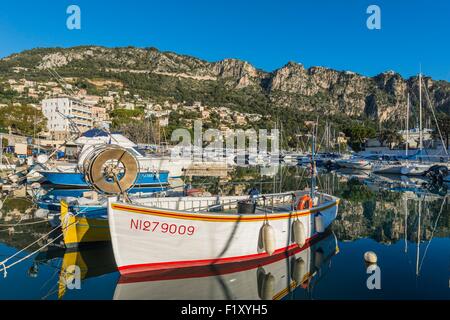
273 277
92 261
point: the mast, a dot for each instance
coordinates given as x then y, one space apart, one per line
407 127
420 114
313 162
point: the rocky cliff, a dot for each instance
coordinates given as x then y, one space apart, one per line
236 82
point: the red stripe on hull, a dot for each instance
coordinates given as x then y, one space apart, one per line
208 267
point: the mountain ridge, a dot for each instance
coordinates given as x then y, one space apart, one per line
238 83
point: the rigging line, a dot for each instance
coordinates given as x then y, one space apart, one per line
49 279
36 241
432 233
434 116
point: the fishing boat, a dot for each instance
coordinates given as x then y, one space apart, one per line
77 179
268 278
60 173
82 229
214 230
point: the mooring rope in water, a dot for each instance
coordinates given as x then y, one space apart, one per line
3 263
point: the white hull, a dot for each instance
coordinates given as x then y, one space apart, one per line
264 279
175 166
415 169
354 164
388 168
407 169
152 238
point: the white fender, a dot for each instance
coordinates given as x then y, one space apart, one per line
318 221
298 229
298 270
268 237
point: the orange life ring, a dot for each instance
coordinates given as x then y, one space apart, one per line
304 202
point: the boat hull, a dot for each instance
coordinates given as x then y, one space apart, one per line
271 277
76 179
82 230
355 165
146 238
388 169
415 169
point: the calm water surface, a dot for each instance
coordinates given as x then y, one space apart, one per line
405 223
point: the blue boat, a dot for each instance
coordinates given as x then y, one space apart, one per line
54 206
53 192
76 179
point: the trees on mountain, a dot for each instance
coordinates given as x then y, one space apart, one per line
22 119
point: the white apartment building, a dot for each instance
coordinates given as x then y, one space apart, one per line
59 110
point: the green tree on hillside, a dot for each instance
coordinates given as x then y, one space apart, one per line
358 133
23 119
390 137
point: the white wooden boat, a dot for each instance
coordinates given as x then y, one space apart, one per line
197 231
271 277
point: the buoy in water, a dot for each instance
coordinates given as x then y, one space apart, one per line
370 257
266 284
298 230
318 221
268 237
298 270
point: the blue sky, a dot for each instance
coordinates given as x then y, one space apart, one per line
266 33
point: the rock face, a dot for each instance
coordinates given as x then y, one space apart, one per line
319 89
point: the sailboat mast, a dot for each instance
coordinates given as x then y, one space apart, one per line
407 127
420 114
313 161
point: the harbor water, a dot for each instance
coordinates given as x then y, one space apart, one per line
406 222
